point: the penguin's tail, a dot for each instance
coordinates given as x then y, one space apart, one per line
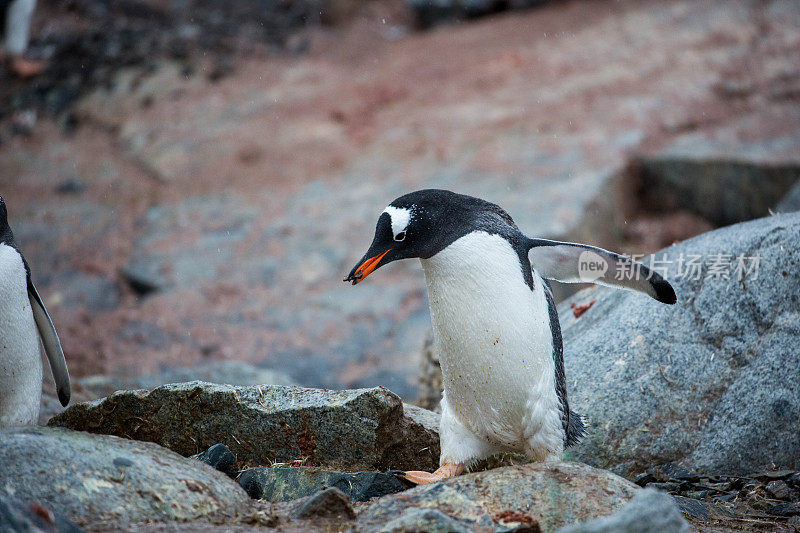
577 429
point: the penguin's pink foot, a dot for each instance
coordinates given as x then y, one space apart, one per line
26 68
443 472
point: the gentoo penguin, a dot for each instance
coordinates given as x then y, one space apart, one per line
494 321
22 313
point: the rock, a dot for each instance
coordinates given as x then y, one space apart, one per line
778 489
75 290
791 201
433 12
362 429
209 227
721 191
222 372
330 502
32 517
552 494
289 483
650 510
93 478
428 520
460 508
221 458
430 380
784 509
702 383
670 471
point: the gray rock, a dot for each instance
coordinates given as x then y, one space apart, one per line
93 478
552 494
222 372
430 380
330 502
289 483
704 382
723 191
210 227
362 429
428 521
650 510
778 489
32 517
75 289
791 201
458 507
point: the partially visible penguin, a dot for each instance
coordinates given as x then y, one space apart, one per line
23 320
494 321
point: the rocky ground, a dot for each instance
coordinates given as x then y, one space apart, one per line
190 190
274 173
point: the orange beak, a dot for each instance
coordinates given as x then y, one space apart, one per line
366 268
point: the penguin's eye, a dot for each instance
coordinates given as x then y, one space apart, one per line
400 236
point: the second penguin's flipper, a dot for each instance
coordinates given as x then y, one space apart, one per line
580 263
52 346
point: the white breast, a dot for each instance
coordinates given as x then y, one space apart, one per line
20 359
495 343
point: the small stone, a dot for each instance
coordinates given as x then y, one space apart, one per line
784 509
70 186
289 483
670 471
330 502
666 487
778 489
429 520
698 494
644 479
122 462
220 457
774 474
649 510
794 480
692 508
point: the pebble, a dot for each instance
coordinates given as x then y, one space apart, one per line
329 502
778 489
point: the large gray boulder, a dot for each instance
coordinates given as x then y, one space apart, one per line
96 478
710 382
32 517
362 429
650 510
723 191
550 494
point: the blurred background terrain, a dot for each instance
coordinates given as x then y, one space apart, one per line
191 180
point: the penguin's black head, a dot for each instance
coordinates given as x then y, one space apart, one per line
422 223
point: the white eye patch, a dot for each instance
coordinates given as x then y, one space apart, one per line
400 217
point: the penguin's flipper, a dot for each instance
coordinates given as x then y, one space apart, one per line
52 346
580 263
